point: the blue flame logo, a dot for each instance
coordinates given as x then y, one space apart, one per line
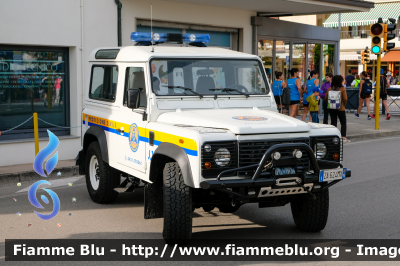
43 154
34 201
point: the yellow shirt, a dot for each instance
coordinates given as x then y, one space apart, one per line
313 103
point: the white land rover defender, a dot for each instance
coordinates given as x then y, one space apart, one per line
198 127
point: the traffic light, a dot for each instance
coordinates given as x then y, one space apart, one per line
376 35
361 58
367 59
388 35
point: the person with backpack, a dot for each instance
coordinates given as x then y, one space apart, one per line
356 82
365 92
277 87
383 94
310 85
337 99
324 89
296 93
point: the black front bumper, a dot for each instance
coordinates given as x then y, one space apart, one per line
263 179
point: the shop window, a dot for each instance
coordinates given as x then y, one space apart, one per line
33 79
299 60
282 58
103 83
329 58
265 49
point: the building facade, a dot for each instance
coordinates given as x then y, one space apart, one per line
45 46
355 36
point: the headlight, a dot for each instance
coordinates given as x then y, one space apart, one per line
336 140
222 157
320 150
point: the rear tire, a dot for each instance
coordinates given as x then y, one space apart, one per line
177 206
311 215
101 179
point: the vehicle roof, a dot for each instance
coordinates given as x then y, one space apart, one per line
144 53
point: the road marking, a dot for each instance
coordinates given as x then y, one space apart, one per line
56 183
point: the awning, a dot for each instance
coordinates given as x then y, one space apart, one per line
392 56
383 10
353 56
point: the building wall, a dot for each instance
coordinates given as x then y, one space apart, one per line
309 19
186 13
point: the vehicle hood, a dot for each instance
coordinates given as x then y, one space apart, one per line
238 121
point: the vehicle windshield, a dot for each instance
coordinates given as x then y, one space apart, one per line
208 77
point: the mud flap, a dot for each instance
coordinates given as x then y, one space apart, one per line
153 200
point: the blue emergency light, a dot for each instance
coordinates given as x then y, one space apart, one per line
145 37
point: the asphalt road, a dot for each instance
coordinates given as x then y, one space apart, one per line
365 206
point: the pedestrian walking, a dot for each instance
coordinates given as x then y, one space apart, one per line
349 79
356 81
337 99
296 92
364 94
324 89
277 87
383 94
312 83
313 104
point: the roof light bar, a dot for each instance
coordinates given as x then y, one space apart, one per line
166 37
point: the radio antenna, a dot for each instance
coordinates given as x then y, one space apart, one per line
151 26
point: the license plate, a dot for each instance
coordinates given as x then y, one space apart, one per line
332 174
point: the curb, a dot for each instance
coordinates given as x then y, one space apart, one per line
20 177
374 135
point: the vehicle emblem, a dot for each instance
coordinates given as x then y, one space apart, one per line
134 137
250 118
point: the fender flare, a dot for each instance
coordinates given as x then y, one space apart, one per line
179 155
99 133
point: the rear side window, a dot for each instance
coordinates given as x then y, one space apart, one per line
103 84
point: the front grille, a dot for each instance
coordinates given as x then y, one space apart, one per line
215 169
251 152
330 146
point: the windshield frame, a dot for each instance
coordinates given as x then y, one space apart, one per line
258 60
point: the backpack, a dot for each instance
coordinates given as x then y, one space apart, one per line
367 87
334 99
383 85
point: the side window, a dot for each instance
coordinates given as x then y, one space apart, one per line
135 79
104 83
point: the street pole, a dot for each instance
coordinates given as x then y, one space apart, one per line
377 92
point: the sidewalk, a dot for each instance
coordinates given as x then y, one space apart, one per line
357 128
361 128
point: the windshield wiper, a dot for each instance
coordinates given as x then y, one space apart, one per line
228 90
183 88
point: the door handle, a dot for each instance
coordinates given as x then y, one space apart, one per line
121 130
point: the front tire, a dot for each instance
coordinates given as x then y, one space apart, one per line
177 206
311 215
101 179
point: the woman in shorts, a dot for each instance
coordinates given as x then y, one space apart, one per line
362 96
277 87
296 92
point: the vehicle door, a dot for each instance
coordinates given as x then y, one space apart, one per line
132 142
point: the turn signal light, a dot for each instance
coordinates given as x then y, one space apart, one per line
336 156
181 141
207 165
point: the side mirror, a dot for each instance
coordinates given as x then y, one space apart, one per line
133 98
